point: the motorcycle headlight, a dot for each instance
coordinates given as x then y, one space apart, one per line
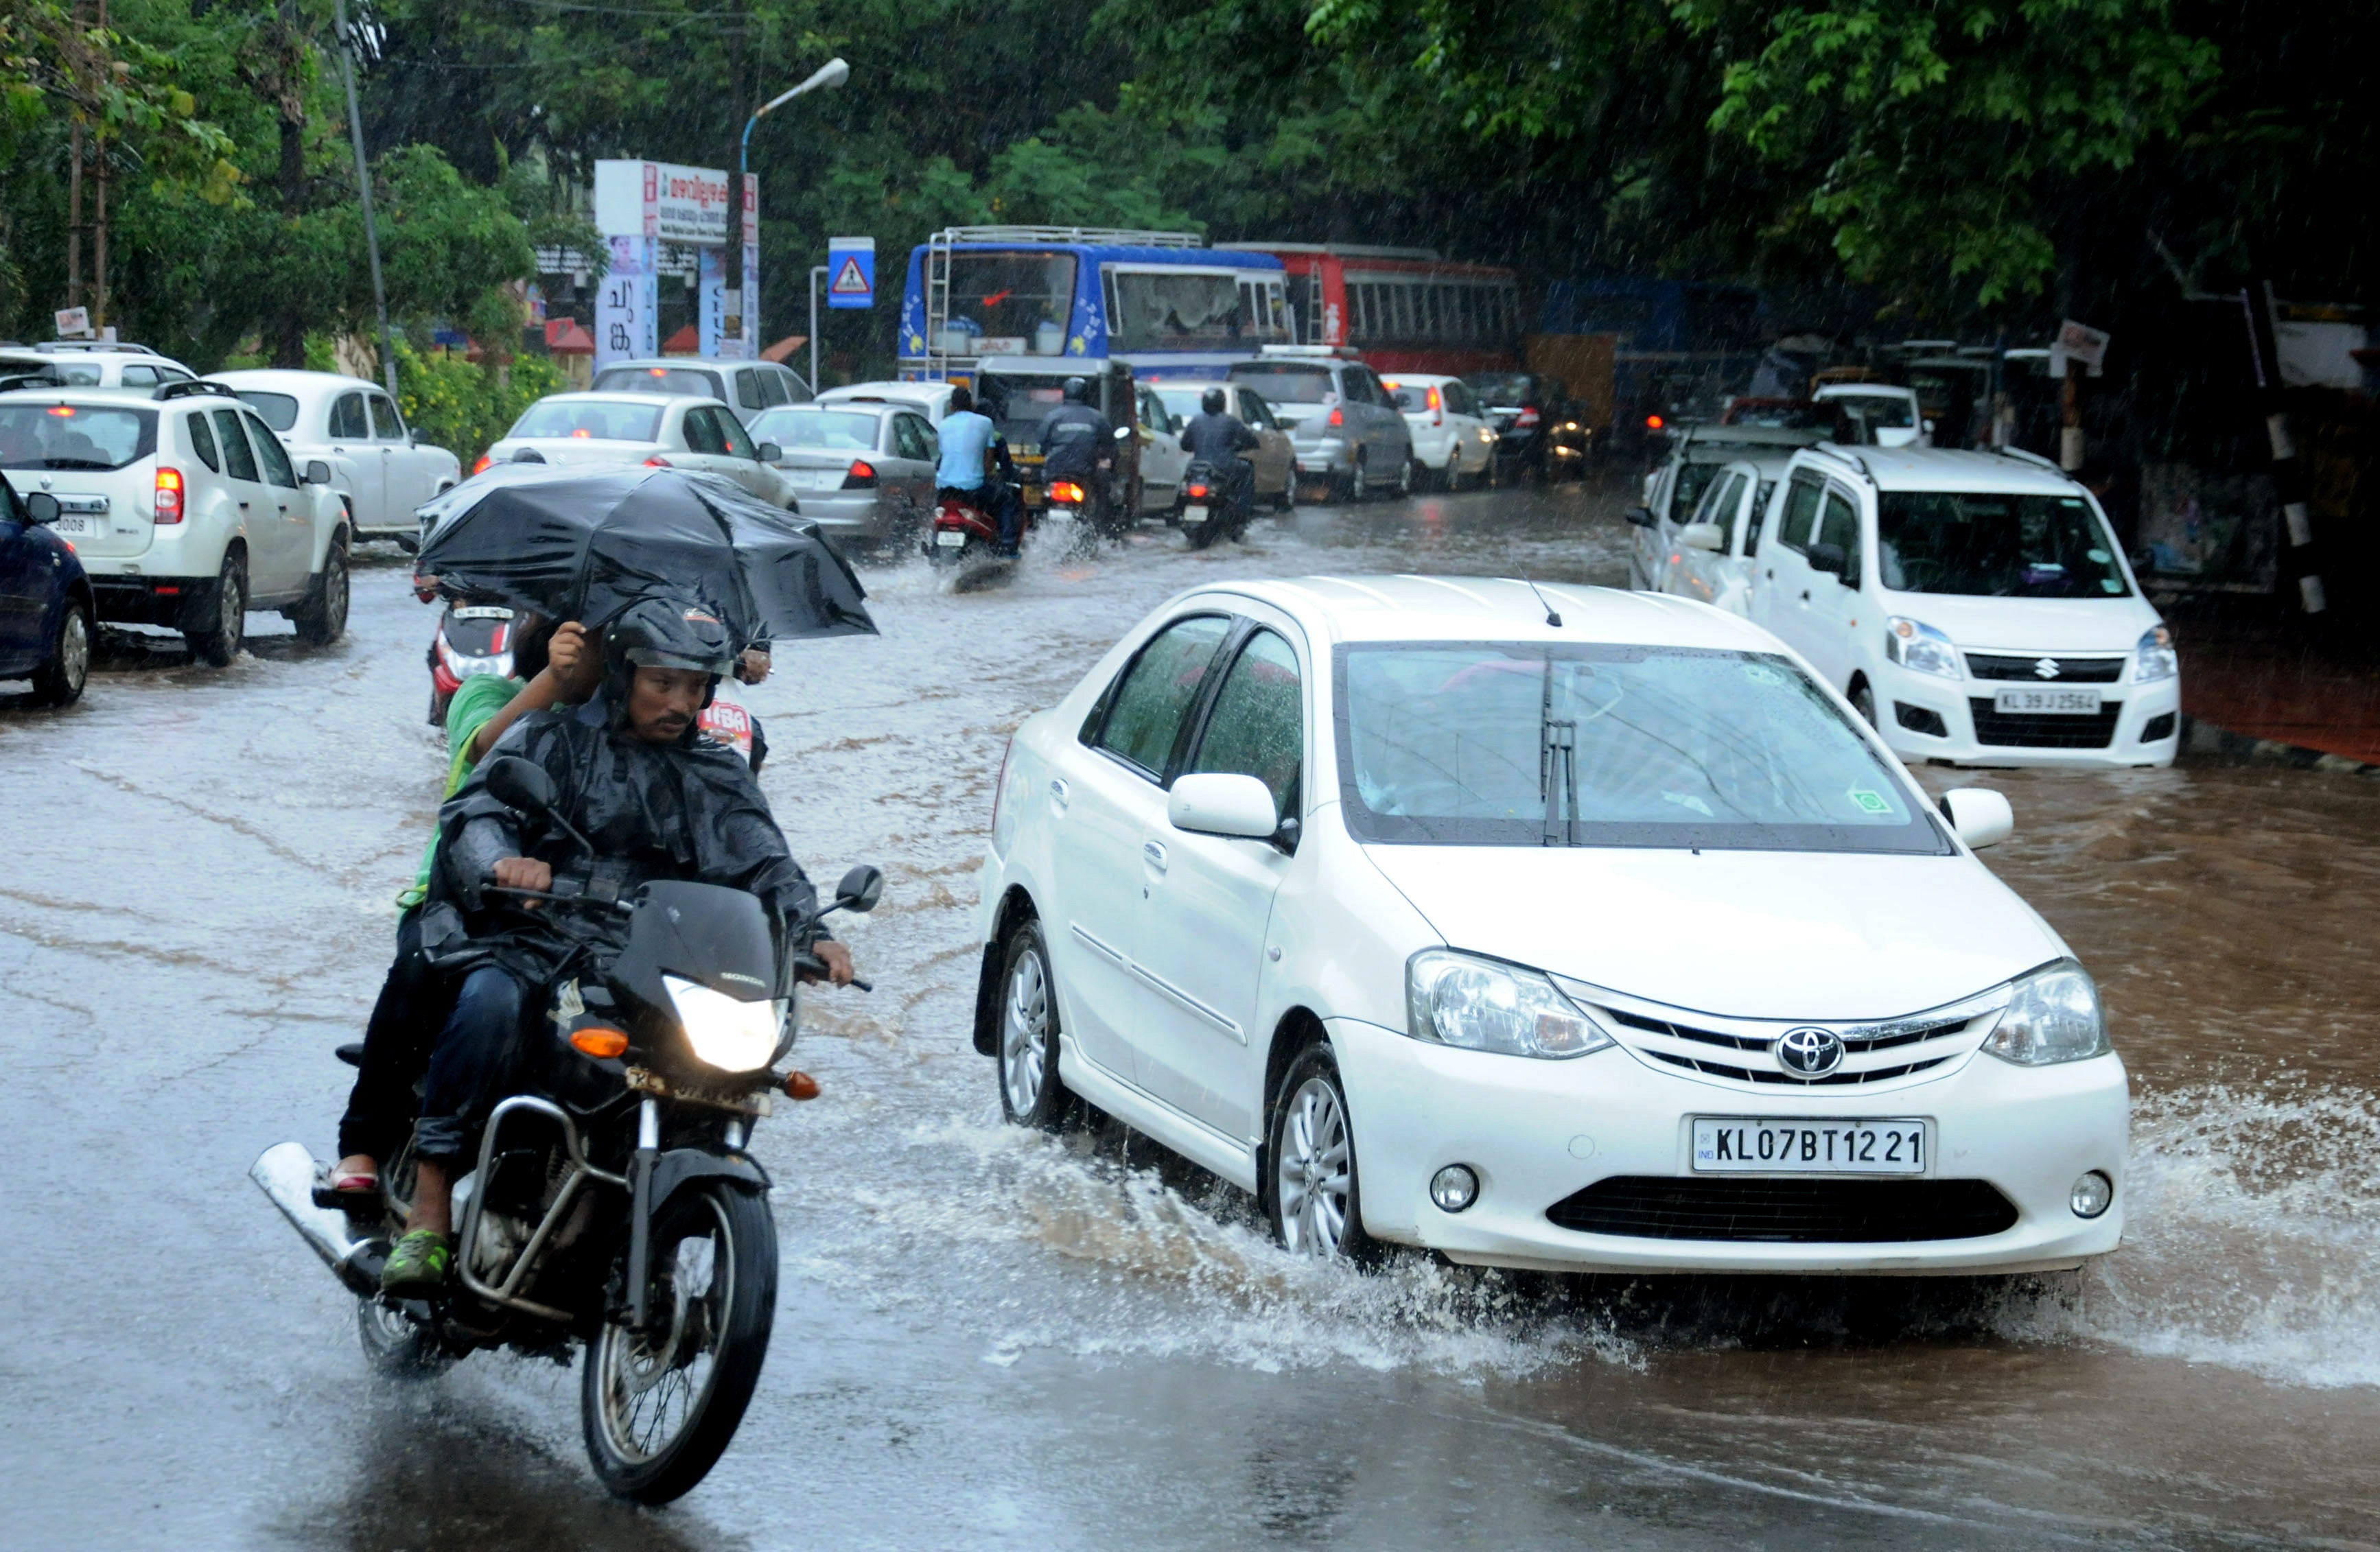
1485 1005
2054 1016
2155 658
1921 648
731 1035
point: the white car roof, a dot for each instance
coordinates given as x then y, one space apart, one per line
1864 390
1498 608
1945 468
628 398
1427 379
130 398
290 380
926 392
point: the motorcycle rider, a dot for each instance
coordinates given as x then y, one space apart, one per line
973 453
1078 443
1219 438
654 799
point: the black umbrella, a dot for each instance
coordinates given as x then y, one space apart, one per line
584 546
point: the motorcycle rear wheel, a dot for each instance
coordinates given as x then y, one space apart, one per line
658 1407
395 1347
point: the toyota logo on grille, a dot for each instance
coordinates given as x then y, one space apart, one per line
1810 1053
2045 668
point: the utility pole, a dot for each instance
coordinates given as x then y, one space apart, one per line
816 273
74 174
2289 469
99 225
363 186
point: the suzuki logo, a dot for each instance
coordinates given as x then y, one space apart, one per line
2045 668
1809 1053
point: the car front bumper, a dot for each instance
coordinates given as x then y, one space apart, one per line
1537 1131
2154 708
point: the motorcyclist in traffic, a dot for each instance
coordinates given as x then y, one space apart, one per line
1078 443
975 468
1219 438
655 800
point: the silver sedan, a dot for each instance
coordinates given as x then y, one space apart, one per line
864 472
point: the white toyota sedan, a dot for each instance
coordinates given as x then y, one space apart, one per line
1542 927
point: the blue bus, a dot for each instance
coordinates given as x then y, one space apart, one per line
1161 301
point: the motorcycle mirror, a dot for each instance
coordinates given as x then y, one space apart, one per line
860 890
520 785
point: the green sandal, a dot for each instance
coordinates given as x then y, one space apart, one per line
418 1265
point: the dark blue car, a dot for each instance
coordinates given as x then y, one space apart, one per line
45 614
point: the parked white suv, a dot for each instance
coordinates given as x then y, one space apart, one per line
89 364
379 467
184 509
1974 606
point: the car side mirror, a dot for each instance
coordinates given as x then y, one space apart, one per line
1981 815
317 472
1217 804
1828 558
860 889
520 784
1641 515
1703 536
42 507
769 451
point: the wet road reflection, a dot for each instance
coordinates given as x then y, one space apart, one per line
991 1338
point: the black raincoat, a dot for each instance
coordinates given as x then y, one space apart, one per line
689 809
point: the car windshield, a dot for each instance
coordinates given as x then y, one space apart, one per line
661 379
1285 383
588 419
1183 399
835 430
1449 743
57 436
1996 546
1890 410
279 410
1018 404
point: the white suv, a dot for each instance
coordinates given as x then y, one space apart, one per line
1974 606
184 509
85 364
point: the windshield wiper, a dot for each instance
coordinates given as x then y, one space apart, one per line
1558 746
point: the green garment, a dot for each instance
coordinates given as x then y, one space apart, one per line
481 697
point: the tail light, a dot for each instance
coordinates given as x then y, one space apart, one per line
1528 416
1336 417
169 495
657 461
1066 490
481 467
1437 408
862 476
1197 493
1654 422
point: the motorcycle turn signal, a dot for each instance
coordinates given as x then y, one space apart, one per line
800 1085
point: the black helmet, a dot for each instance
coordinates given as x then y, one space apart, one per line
664 633
1211 401
1078 390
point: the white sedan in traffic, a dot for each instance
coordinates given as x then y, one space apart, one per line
379 468
665 431
1542 927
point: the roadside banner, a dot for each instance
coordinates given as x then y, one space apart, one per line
851 272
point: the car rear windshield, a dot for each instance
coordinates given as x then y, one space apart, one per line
1890 410
661 379
278 410
833 431
1412 397
595 421
1455 744
1283 382
57 436
1505 388
1995 546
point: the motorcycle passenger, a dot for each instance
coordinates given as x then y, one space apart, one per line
973 454
1078 443
559 665
632 774
1219 438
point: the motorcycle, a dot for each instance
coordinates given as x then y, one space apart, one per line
964 532
470 639
1213 505
612 1206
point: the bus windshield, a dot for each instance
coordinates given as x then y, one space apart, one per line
1003 300
1179 311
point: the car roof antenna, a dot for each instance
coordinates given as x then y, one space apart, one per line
1551 618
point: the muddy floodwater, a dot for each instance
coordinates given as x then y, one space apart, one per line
989 1338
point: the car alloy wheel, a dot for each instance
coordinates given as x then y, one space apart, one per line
1313 1170
60 681
1030 1091
1359 485
1405 480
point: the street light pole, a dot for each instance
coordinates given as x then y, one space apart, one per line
834 72
815 271
363 185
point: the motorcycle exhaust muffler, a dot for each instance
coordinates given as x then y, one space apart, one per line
284 1172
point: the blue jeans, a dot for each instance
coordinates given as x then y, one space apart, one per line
476 1051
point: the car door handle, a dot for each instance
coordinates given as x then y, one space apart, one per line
243 506
1153 854
1058 793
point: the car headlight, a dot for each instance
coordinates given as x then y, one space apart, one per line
731 1035
2054 1016
2155 658
1485 1005
1921 648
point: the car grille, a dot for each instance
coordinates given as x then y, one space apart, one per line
1737 1052
2071 670
1774 1211
2021 732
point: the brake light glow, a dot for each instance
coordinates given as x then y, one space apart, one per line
65 410
1528 416
481 467
169 494
1066 490
862 476
657 461
1437 408
1336 417
1197 493
1654 422
582 433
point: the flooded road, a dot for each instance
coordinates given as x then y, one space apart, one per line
988 1338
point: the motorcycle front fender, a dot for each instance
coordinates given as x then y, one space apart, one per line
651 1185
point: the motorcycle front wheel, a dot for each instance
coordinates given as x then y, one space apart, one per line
660 1405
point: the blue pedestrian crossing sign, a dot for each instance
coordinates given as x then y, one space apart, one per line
851 272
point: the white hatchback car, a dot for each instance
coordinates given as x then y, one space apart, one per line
95 364
1454 435
688 433
1720 540
1394 900
378 466
1974 606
